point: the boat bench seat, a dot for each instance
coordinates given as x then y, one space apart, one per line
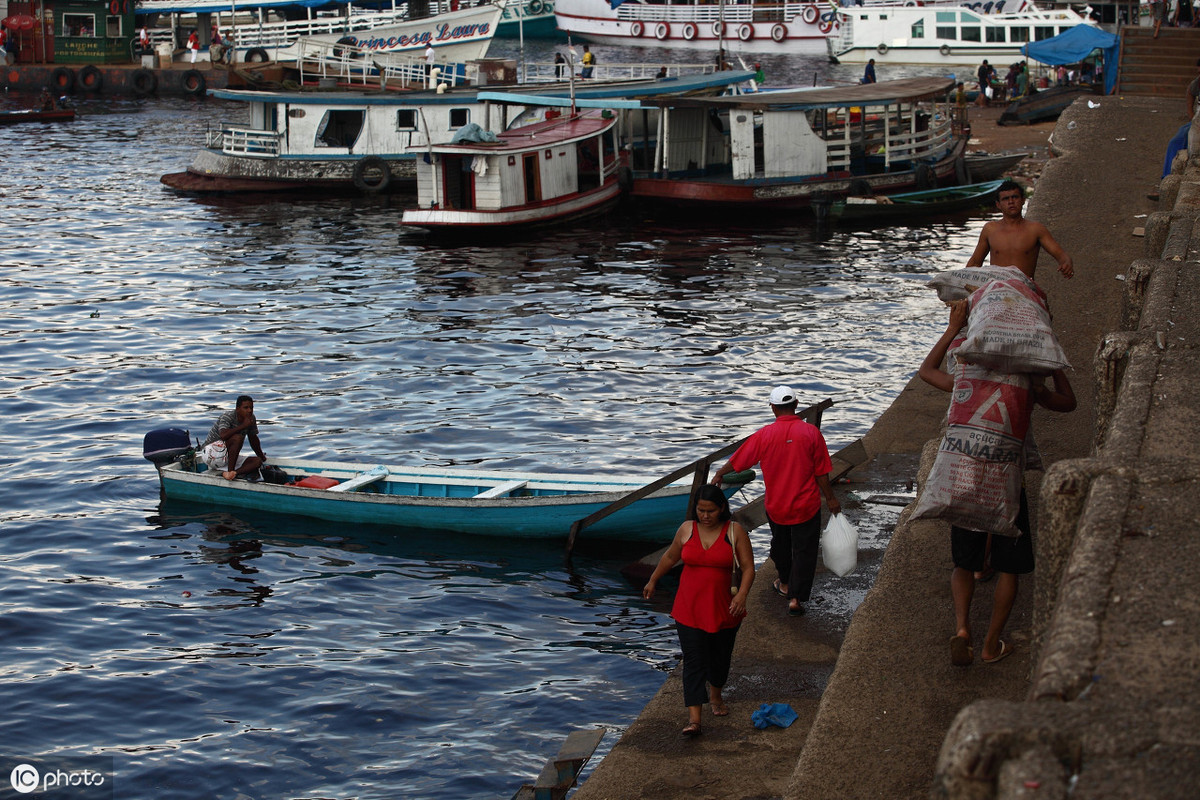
501 490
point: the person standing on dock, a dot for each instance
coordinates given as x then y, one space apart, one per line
971 551
1014 241
708 608
223 449
193 44
795 467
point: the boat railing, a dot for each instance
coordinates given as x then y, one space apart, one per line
892 145
548 72
282 33
732 12
347 63
698 469
244 141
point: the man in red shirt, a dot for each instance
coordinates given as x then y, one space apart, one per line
795 468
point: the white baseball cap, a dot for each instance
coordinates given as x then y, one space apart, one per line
782 396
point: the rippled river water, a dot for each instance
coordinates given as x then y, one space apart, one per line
222 654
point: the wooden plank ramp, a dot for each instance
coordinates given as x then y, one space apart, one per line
560 772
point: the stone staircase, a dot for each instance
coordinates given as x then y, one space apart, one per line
1161 67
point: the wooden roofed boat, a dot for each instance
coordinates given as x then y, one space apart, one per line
562 165
800 148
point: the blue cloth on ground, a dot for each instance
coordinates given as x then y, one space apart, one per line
768 714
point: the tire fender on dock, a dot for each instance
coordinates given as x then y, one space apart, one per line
193 83
372 164
62 79
91 78
143 82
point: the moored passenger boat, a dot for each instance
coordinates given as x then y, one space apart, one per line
778 151
949 35
355 141
559 161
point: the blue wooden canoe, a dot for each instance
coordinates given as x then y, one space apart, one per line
916 204
482 502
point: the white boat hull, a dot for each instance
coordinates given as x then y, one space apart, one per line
778 28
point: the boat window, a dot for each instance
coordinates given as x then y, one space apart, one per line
1018 34
971 33
995 34
114 27
918 29
339 128
406 119
947 32
946 16
78 24
965 16
1043 32
459 117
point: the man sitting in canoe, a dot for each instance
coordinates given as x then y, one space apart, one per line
222 450
1014 241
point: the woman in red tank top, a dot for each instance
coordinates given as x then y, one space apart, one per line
707 609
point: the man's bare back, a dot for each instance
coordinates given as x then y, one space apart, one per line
1014 241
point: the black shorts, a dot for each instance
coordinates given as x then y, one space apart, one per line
1009 554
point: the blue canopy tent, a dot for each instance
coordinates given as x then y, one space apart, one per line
1076 44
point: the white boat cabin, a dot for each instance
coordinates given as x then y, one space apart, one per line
798 134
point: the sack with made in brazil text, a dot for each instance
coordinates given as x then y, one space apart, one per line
975 481
1008 330
959 284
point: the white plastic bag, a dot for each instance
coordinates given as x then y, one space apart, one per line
839 546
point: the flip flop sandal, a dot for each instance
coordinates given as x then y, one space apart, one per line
778 591
691 729
1006 650
720 710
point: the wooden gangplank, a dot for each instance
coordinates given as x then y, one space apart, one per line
560 772
698 468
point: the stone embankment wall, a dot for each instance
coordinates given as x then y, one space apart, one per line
1112 710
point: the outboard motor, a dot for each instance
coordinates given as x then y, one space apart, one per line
164 445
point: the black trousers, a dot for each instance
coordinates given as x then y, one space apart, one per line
706 658
794 551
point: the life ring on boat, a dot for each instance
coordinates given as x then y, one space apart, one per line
718 28
778 32
90 78
372 175
193 82
826 26
944 49
63 79
256 55
124 6
925 177
143 82
746 32
881 48
114 7
910 3
636 30
536 7
689 31
661 31
810 14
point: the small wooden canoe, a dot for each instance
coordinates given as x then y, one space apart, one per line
481 502
33 115
916 204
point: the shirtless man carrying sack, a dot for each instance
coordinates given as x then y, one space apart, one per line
1014 241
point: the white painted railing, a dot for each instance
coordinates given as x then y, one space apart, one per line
244 141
